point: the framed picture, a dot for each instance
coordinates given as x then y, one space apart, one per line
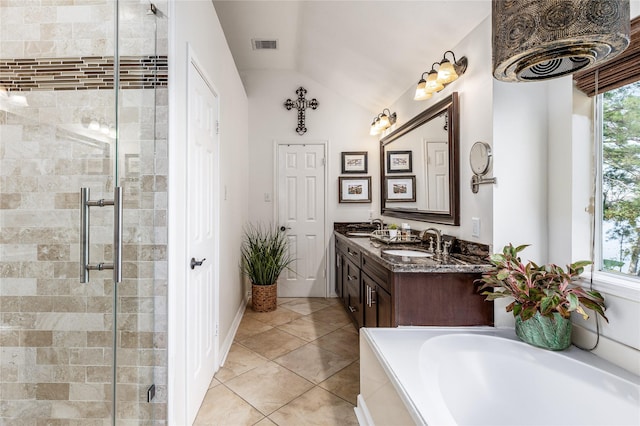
400 188
354 162
354 190
399 162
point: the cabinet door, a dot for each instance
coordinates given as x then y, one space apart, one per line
351 290
339 276
376 303
383 303
369 306
354 304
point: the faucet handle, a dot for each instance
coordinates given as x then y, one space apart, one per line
445 247
431 244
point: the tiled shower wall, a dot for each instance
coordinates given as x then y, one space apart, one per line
55 333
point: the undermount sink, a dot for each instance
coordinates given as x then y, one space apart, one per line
407 253
358 234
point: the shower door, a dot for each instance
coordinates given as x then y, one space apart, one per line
82 101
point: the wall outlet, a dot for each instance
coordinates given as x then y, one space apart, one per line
475 227
267 197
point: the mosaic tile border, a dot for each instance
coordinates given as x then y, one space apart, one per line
82 73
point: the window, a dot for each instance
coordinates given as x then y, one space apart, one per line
616 84
619 182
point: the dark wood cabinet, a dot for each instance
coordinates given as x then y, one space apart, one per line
375 296
348 285
377 303
353 295
376 285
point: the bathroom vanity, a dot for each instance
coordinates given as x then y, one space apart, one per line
383 290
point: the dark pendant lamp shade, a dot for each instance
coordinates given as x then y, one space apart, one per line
544 39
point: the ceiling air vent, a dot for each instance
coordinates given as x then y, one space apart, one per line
260 44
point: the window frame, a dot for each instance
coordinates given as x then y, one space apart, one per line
617 284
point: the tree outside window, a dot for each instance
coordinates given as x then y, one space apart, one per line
621 179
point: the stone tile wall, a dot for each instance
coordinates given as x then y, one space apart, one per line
55 333
82 73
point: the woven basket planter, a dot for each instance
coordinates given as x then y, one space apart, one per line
264 298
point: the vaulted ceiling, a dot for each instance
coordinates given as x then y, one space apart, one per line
370 52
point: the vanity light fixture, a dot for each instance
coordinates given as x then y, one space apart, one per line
433 85
437 80
421 92
382 122
447 71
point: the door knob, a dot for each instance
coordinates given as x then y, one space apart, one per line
284 228
195 262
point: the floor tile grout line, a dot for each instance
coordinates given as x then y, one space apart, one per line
283 405
298 337
287 353
309 317
288 369
333 393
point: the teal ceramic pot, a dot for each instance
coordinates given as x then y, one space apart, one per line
544 332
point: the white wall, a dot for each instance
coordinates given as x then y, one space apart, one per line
337 120
620 341
570 192
196 23
476 104
532 128
543 143
340 122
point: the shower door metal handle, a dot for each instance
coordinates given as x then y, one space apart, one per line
85 204
84 234
117 234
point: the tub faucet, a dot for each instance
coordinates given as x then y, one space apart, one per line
438 250
378 223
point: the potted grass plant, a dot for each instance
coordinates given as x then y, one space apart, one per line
265 254
543 296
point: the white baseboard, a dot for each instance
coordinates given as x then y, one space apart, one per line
226 345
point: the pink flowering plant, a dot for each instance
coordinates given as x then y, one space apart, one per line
545 289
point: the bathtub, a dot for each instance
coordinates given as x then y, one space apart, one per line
486 376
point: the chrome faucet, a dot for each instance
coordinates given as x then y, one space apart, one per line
378 222
438 250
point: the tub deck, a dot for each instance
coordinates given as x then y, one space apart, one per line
397 354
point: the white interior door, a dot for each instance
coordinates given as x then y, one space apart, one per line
301 211
201 285
438 175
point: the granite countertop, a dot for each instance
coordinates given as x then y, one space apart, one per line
454 263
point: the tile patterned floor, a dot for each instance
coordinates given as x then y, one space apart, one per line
298 365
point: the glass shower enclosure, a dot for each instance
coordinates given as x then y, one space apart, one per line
83 165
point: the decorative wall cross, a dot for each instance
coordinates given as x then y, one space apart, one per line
301 104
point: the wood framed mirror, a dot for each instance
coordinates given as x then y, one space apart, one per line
425 148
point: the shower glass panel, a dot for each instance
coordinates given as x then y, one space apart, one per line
69 121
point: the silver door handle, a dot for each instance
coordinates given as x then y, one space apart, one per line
85 204
284 228
117 234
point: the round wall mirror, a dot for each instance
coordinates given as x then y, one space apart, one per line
480 158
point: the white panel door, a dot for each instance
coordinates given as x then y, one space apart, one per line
202 189
438 176
301 210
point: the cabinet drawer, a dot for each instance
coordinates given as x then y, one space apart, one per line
353 255
376 271
341 245
351 273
